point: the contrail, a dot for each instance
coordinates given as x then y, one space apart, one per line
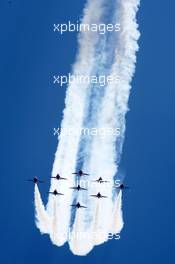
97 234
65 160
115 103
104 153
102 67
77 243
82 241
54 235
85 106
41 217
117 217
66 154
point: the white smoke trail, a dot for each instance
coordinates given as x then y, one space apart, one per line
80 239
117 216
115 102
65 157
109 112
112 115
97 235
54 235
41 217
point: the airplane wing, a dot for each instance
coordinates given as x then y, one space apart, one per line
100 181
82 206
83 189
104 196
94 196
56 194
118 188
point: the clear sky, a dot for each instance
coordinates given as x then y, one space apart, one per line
31 106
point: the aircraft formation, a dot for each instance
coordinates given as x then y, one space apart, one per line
80 173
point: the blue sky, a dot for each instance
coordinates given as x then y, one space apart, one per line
31 106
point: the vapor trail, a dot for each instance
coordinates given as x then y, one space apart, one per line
80 239
65 160
54 235
76 96
106 152
41 217
110 55
117 217
96 231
